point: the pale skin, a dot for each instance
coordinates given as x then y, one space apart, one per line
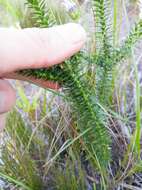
34 48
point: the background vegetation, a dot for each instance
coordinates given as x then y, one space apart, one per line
43 145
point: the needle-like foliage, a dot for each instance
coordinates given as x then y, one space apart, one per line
84 97
42 17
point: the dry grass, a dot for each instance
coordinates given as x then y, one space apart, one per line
41 147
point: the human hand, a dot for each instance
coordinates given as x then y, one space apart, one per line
34 48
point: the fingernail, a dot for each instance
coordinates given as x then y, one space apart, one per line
75 32
2 102
72 33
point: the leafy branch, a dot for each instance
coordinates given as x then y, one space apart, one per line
83 96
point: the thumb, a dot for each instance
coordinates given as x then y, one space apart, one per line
7 96
2 121
7 100
36 48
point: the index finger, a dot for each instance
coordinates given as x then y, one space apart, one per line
36 48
